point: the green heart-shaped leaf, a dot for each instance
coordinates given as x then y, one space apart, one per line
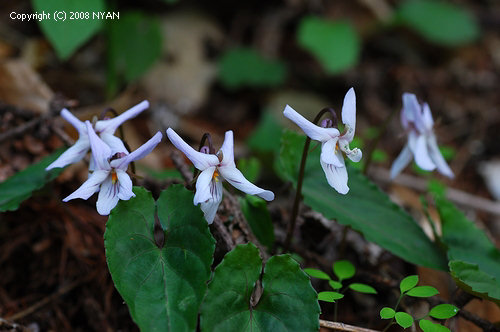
69 34
163 287
334 43
286 301
439 21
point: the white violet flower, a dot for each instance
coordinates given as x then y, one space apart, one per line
104 128
417 121
333 143
110 176
214 168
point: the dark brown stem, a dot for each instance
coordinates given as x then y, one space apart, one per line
298 194
373 144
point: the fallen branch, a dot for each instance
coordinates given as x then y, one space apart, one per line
343 327
457 196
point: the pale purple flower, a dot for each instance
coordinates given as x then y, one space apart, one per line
110 176
104 128
214 168
417 121
333 143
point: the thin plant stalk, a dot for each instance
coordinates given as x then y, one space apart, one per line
395 308
373 144
300 180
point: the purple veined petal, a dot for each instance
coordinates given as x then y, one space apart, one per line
108 196
125 185
237 180
421 154
427 117
75 122
204 186
210 207
227 150
100 150
437 157
200 160
310 129
330 153
336 177
89 187
110 126
73 154
114 143
349 114
401 161
139 153
413 111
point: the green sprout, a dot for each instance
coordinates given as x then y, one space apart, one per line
408 286
343 270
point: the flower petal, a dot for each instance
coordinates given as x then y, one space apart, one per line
89 187
310 129
203 186
125 185
349 114
237 180
401 161
75 122
139 153
73 154
437 157
427 117
200 160
354 154
108 197
100 150
227 150
329 153
114 143
421 153
210 207
413 111
110 126
336 177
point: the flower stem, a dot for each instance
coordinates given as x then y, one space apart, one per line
373 144
300 180
298 194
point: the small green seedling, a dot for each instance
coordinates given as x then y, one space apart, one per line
343 270
408 286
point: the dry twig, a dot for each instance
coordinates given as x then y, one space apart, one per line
457 196
343 327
